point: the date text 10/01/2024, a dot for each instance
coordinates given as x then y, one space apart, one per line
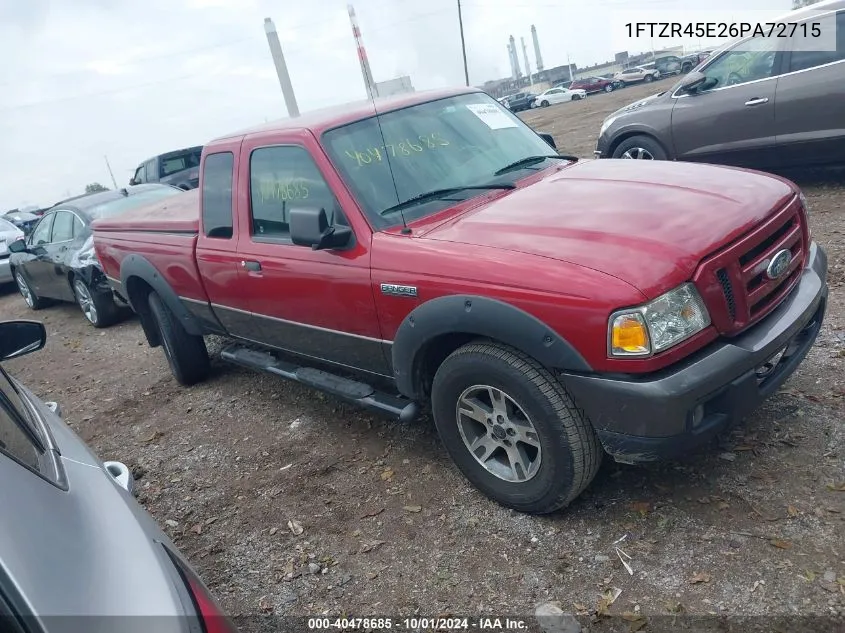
404 147
418 624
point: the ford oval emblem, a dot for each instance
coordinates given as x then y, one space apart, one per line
778 264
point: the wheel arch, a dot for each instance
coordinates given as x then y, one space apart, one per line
436 328
139 278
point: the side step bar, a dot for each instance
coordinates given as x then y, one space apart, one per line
344 388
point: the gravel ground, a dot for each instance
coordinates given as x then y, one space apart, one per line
289 502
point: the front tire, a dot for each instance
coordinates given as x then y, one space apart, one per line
576 97
99 309
648 79
512 428
640 147
608 88
32 300
186 353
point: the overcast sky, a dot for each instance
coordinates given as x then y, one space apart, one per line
134 78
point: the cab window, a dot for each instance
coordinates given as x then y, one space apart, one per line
280 178
217 195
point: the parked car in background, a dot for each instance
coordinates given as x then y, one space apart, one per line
756 103
688 62
521 101
626 320
593 84
563 84
57 494
179 168
668 65
637 74
557 95
57 260
8 233
24 220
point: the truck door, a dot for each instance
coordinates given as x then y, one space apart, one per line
218 261
314 303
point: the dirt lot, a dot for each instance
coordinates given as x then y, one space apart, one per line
754 525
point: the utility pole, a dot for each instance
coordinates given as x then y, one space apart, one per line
113 181
281 67
527 64
463 43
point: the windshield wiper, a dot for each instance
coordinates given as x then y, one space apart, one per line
440 193
530 160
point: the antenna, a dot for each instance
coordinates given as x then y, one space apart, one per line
372 93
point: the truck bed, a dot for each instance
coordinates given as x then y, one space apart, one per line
177 214
164 234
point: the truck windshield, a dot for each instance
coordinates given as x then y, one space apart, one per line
450 143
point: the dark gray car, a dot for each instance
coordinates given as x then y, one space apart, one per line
77 552
179 168
756 103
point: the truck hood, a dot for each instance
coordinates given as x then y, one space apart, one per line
648 223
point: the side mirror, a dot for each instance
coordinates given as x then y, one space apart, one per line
132 181
21 337
18 246
696 82
549 139
310 227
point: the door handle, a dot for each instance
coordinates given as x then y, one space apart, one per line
251 265
757 101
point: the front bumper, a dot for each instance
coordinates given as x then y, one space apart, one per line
661 415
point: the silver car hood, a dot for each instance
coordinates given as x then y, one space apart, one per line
90 550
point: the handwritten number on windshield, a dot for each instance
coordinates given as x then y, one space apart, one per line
405 147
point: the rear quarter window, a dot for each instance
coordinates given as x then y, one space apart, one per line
217 195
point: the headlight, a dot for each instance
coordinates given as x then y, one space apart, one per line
659 324
606 124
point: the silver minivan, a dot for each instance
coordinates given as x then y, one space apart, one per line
755 103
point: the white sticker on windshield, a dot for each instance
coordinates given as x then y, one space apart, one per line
492 116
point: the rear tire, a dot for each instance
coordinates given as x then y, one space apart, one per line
539 450
32 300
100 310
186 353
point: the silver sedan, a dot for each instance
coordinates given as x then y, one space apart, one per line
77 552
8 234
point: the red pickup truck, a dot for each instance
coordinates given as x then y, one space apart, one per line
433 251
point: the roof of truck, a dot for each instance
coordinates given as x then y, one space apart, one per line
326 118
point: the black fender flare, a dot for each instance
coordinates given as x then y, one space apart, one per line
479 317
135 265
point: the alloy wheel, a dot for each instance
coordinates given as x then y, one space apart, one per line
498 433
85 301
638 153
26 293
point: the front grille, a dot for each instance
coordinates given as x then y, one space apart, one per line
737 278
728 291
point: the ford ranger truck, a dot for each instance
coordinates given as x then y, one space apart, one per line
431 251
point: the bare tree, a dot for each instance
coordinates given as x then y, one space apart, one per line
94 187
